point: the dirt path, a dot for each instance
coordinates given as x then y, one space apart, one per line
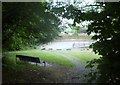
76 73
77 64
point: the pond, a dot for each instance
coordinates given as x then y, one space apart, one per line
67 44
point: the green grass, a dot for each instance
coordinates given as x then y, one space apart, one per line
81 56
50 57
43 55
25 72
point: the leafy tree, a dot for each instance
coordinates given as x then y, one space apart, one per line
105 23
27 24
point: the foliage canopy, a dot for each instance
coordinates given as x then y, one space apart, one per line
27 24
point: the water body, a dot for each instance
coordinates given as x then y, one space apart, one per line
68 44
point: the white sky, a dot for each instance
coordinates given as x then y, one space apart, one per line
65 21
84 2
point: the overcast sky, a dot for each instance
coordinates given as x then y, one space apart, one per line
65 21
